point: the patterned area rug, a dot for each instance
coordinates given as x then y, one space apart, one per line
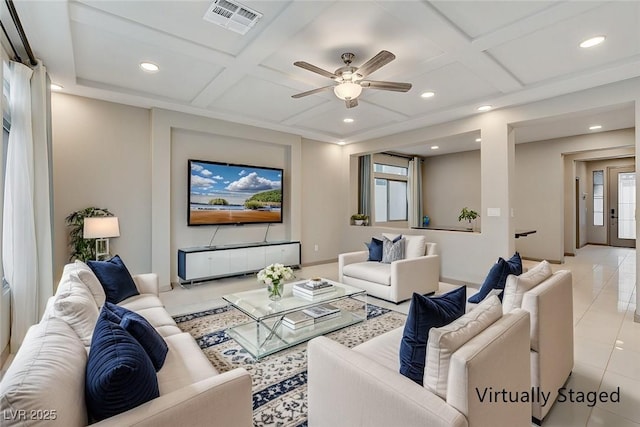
279 380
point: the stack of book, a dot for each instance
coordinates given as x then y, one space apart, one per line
322 312
312 288
297 320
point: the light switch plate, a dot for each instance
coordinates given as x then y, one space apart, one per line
493 211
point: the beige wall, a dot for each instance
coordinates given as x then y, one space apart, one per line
101 158
451 182
545 179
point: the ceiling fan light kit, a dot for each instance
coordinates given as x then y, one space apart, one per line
349 79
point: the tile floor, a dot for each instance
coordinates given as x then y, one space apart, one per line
607 341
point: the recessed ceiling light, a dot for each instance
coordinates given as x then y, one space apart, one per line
348 120
149 67
434 147
54 86
593 41
478 139
595 127
484 108
341 142
428 94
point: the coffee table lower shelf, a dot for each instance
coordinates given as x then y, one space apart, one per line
264 337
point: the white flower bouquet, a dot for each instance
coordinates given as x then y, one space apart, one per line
274 276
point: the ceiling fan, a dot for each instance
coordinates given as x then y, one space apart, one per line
349 79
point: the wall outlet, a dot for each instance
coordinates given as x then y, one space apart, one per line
493 212
315 248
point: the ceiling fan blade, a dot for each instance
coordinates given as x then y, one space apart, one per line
394 86
311 92
315 69
350 103
378 61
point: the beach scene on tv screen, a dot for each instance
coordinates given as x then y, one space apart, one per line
231 194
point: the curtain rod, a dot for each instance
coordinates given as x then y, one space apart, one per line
21 33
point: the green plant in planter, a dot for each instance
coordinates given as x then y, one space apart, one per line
468 215
82 249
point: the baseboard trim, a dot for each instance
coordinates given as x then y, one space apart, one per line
569 254
311 264
636 317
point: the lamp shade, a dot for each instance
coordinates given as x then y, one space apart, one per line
101 227
347 90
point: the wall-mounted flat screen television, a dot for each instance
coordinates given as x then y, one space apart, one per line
223 193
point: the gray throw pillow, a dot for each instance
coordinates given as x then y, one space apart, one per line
392 250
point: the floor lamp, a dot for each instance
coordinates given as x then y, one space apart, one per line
101 228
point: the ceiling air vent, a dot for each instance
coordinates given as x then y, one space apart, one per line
232 15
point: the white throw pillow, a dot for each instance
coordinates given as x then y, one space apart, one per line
444 341
46 378
76 306
416 246
84 274
516 286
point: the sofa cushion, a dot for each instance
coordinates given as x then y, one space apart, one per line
119 374
445 340
498 276
47 374
375 249
185 364
140 302
75 305
426 313
157 316
369 271
392 250
383 349
141 330
516 286
82 271
114 278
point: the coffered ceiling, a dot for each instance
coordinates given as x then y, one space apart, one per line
469 53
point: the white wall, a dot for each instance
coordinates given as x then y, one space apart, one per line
449 183
101 158
5 297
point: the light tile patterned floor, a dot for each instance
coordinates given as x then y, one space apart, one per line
607 341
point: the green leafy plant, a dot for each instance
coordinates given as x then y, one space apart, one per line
468 214
359 217
82 249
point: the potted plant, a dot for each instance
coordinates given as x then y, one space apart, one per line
359 219
468 215
81 248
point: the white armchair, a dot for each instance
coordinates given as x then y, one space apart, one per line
396 281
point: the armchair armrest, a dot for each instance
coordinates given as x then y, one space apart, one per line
350 258
147 283
221 400
421 275
346 388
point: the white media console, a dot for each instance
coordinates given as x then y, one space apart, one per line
212 262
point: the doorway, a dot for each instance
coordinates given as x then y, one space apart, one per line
622 206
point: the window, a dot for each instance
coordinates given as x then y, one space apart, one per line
598 198
390 194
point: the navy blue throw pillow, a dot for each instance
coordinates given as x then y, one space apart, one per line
497 277
141 330
426 313
115 279
375 249
119 374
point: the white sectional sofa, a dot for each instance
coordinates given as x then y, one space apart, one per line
397 281
363 387
46 381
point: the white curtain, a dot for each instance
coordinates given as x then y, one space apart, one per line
26 242
414 190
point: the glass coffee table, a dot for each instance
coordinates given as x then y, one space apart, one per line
266 333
